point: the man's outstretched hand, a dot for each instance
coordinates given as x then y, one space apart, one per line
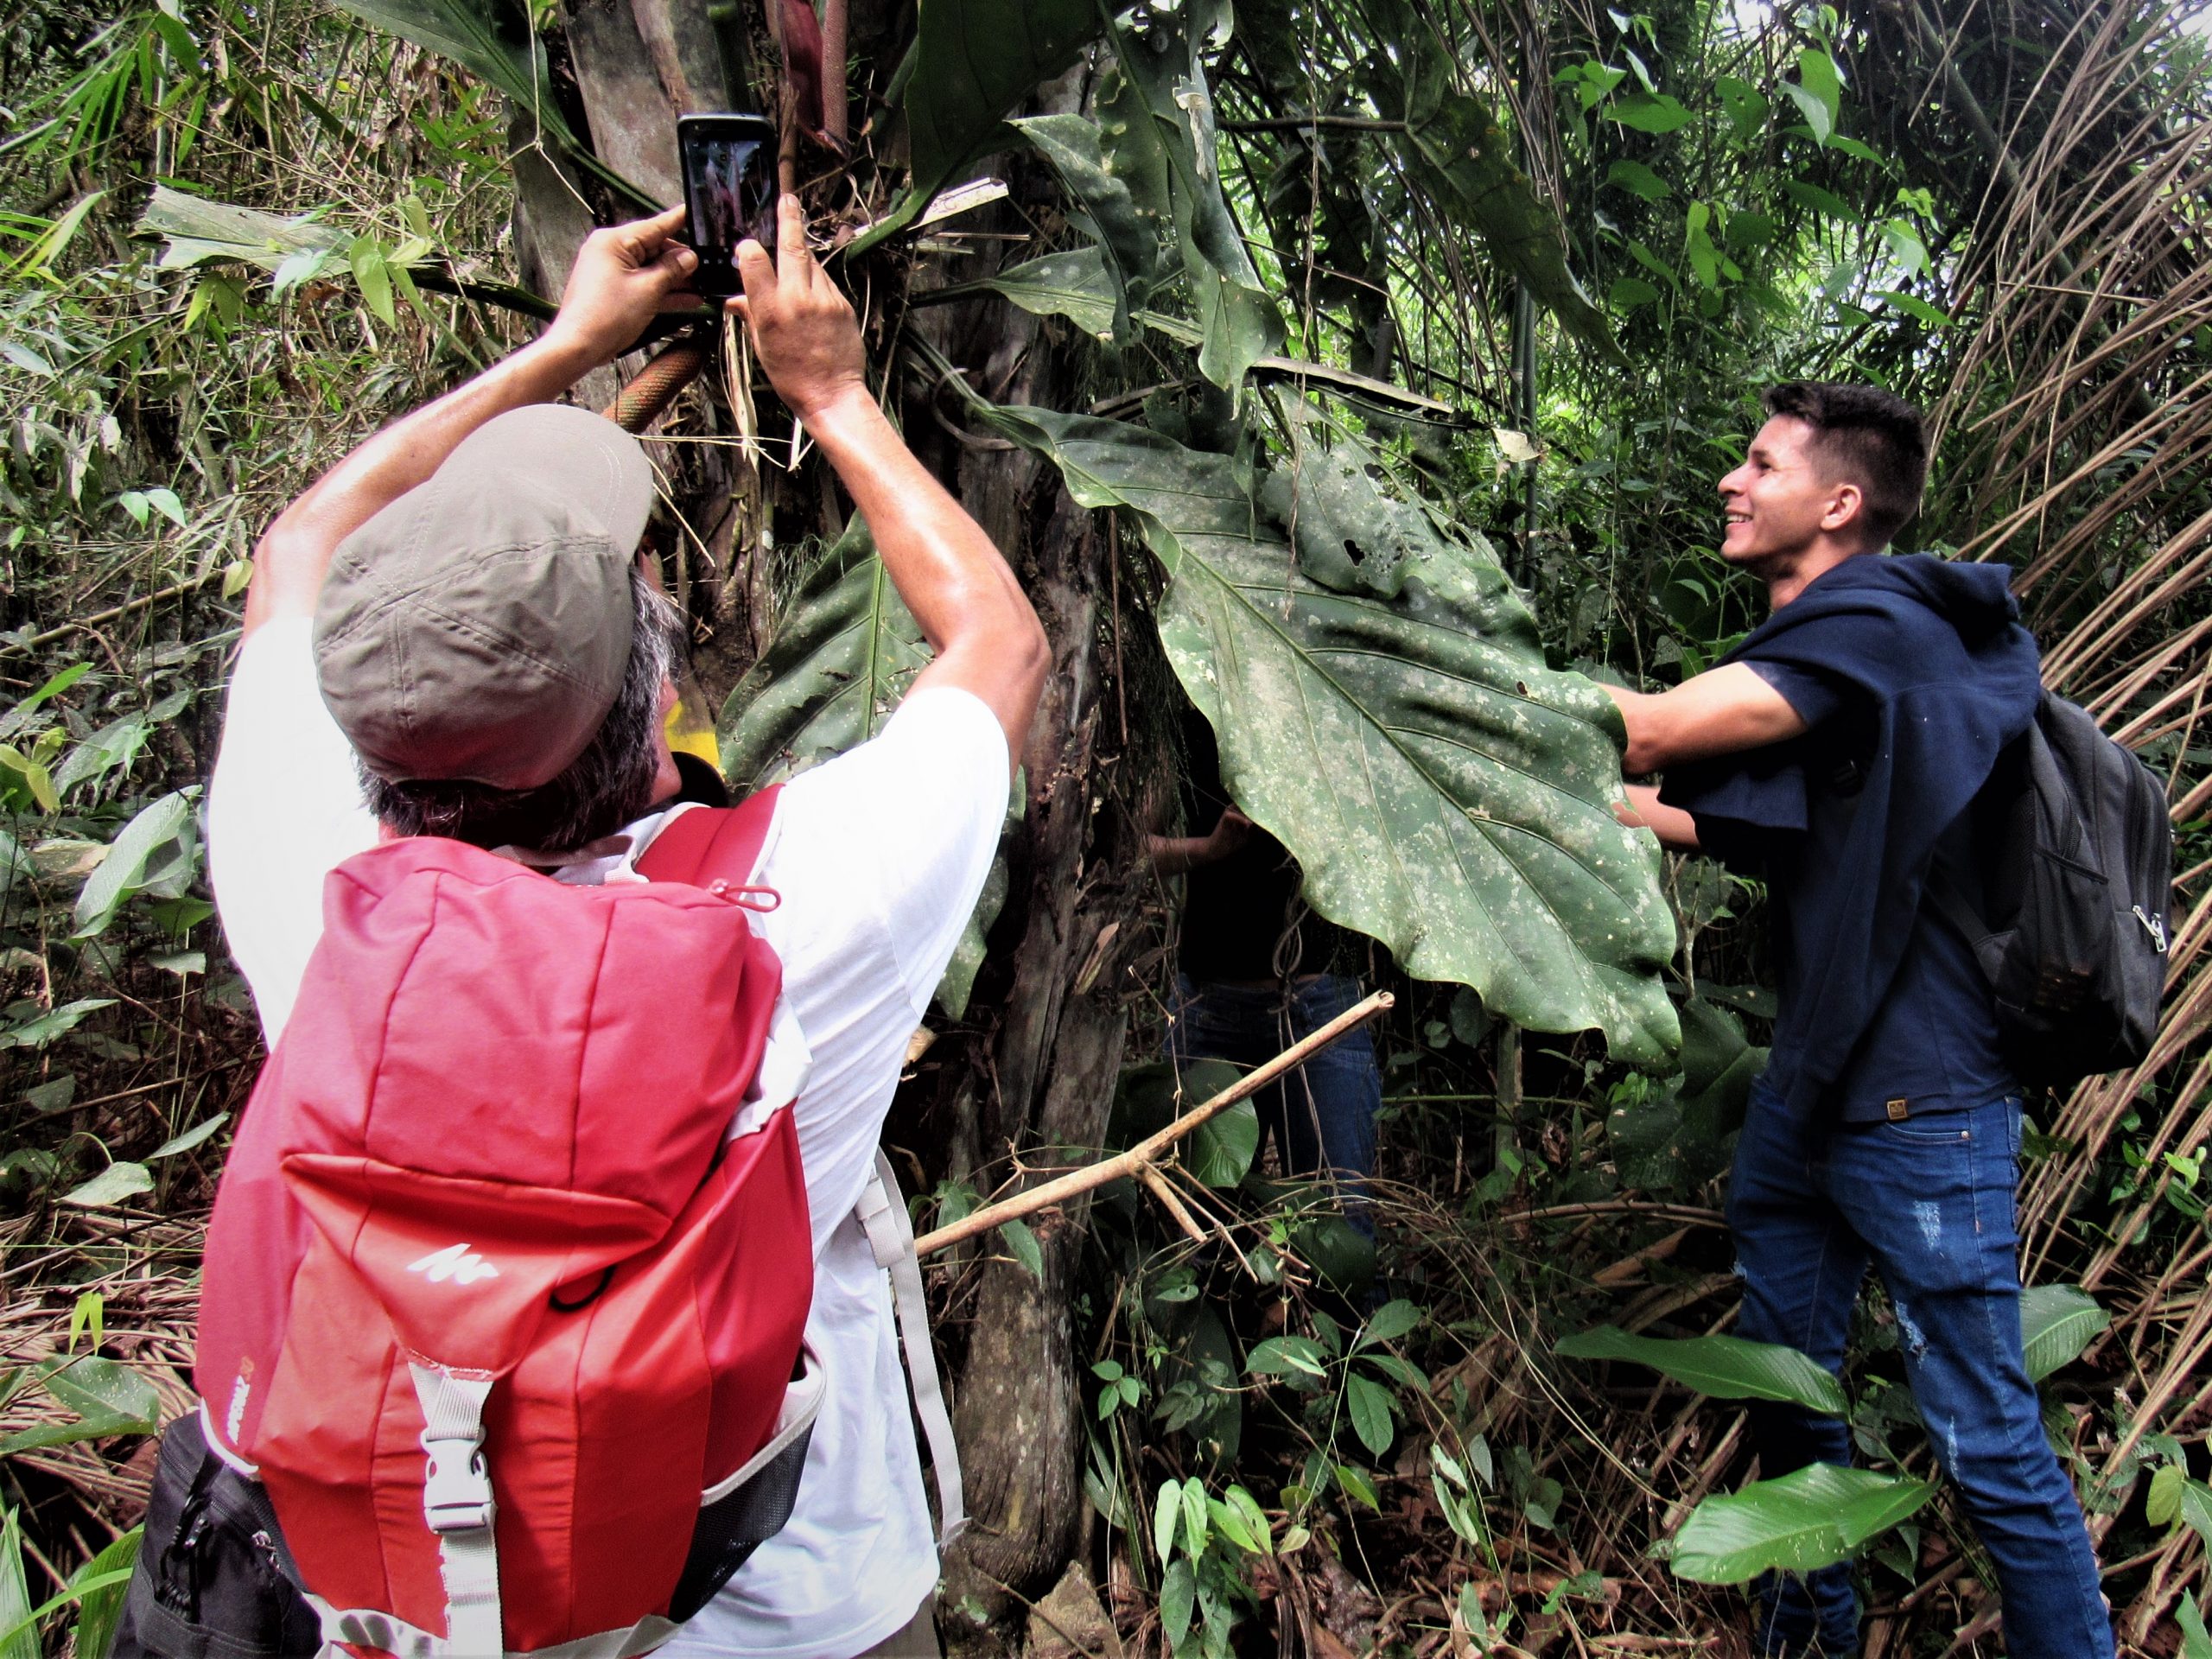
624 276
804 329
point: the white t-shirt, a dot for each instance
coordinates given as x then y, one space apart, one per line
879 856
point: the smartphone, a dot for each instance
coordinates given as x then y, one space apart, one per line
730 191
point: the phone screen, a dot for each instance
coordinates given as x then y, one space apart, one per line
729 186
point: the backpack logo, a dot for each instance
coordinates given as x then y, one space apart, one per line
457 1262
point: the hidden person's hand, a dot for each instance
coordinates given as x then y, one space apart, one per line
624 276
803 330
1230 832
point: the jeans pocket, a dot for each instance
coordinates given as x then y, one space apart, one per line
1944 1129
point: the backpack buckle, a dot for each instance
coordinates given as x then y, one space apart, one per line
456 1487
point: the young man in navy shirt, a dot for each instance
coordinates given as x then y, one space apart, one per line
1836 753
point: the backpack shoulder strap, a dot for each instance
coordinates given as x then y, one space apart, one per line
699 845
882 1216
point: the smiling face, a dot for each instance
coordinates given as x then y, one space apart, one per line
1786 505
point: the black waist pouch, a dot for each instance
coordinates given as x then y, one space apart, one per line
213 1579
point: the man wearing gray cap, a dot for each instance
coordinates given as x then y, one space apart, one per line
448 636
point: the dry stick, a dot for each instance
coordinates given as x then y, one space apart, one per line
1139 1157
86 624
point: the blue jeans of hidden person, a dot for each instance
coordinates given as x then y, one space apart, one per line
1928 1203
1321 1116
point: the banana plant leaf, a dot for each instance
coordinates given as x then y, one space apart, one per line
494 40
1157 129
1128 242
1455 147
1443 789
1727 1367
1810 1517
845 649
2056 1323
973 61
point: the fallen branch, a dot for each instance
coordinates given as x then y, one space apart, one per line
1139 1158
88 624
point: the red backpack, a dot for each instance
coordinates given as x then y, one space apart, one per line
486 1206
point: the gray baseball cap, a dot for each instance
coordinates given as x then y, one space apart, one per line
479 628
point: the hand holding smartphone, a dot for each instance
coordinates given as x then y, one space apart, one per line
729 192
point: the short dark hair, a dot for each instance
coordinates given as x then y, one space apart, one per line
1874 436
608 786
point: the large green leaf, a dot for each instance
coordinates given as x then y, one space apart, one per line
1727 1367
1442 789
1074 284
2056 1323
845 649
156 851
1127 241
102 1582
109 1400
1221 1149
1817 1515
199 231
1454 146
1157 126
973 62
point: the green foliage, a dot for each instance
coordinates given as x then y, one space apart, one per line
1201 1542
1473 833
1156 116
2056 1323
1127 240
497 40
973 60
1727 1367
108 1400
1456 151
844 651
1075 285
1806 1519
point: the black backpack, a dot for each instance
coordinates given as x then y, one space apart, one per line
2071 933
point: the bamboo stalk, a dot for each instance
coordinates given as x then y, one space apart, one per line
1139 1157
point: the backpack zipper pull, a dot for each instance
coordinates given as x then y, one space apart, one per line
2152 925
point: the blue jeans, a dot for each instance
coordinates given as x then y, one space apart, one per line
1322 1116
1928 1203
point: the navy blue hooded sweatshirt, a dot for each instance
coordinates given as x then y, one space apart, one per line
1912 674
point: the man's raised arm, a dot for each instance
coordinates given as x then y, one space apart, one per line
623 276
987 639
1721 711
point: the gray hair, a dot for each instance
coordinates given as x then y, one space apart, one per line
607 786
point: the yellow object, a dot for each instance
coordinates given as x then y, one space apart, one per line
690 730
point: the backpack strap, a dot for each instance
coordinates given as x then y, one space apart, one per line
701 845
457 1505
882 1216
